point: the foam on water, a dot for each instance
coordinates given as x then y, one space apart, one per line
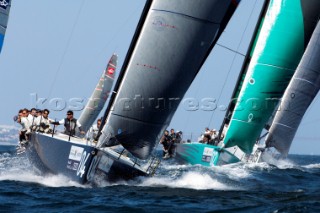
228 177
312 166
50 181
235 171
189 180
19 169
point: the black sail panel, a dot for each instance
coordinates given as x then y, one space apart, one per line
175 39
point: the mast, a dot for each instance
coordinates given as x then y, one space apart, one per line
303 88
244 68
174 40
4 17
125 64
99 96
282 40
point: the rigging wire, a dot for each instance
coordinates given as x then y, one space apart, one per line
224 84
233 60
66 49
114 36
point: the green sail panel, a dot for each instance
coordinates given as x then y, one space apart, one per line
286 30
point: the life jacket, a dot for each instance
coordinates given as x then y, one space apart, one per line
70 126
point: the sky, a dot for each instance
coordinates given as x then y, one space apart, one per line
55 51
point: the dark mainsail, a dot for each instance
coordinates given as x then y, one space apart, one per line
301 91
4 16
99 96
172 41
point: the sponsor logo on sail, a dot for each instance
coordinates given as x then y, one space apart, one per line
4 3
111 71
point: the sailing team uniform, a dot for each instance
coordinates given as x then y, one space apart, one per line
31 120
93 132
42 124
69 125
25 128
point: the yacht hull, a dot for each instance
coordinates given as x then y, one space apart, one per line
82 163
204 154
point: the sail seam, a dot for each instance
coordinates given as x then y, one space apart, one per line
305 80
240 120
271 65
137 119
203 20
284 125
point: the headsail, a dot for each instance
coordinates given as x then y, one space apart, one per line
302 89
244 67
4 16
172 41
99 96
286 30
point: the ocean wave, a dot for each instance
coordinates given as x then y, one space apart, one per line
189 180
312 166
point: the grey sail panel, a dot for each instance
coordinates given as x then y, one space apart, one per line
195 9
301 91
4 16
173 43
99 96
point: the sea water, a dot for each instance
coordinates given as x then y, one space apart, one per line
291 185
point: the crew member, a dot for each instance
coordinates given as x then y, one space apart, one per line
70 124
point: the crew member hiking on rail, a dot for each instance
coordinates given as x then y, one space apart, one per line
166 142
